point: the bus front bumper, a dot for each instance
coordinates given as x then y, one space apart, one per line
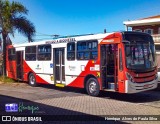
131 87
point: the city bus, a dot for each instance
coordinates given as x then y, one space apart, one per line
122 62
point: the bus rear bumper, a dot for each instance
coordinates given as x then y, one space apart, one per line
131 87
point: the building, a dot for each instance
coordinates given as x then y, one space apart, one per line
149 25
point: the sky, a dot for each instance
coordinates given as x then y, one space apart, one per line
74 17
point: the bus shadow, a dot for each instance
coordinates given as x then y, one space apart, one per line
53 87
143 97
65 89
147 96
49 113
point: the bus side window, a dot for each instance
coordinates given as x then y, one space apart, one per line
120 60
87 50
44 52
71 51
30 53
11 54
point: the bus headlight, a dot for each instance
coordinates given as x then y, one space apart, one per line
129 77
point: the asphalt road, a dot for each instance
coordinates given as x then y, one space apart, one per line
55 101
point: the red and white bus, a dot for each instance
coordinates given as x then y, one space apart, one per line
122 62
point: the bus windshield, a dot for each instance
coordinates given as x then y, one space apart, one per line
140 53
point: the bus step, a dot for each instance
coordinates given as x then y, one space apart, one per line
19 79
59 85
109 90
111 85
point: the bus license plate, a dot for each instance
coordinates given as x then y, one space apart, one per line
146 86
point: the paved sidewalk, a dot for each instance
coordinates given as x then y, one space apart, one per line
72 101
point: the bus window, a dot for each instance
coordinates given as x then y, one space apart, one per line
157 47
139 50
120 60
71 51
11 54
87 50
94 55
30 53
44 52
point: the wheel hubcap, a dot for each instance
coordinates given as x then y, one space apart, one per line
92 87
32 80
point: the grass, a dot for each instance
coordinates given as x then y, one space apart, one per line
6 80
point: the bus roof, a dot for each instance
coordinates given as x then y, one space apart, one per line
71 38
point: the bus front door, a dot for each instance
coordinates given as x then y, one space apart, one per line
109 59
19 65
59 65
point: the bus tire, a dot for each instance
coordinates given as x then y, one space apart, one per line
92 87
32 80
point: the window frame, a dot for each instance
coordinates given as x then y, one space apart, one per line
72 51
120 60
138 30
157 46
50 53
86 50
159 30
146 31
31 53
11 57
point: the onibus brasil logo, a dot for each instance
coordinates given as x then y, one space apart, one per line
14 107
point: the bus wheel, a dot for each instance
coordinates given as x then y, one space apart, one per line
92 87
32 80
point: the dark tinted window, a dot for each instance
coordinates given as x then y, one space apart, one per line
44 52
120 60
30 53
71 51
11 54
139 50
157 48
87 50
130 36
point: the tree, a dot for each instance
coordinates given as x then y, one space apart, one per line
12 19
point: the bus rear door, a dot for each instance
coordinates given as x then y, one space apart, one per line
19 65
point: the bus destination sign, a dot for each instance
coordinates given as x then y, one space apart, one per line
65 40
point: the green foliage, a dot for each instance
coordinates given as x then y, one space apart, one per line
6 80
12 18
